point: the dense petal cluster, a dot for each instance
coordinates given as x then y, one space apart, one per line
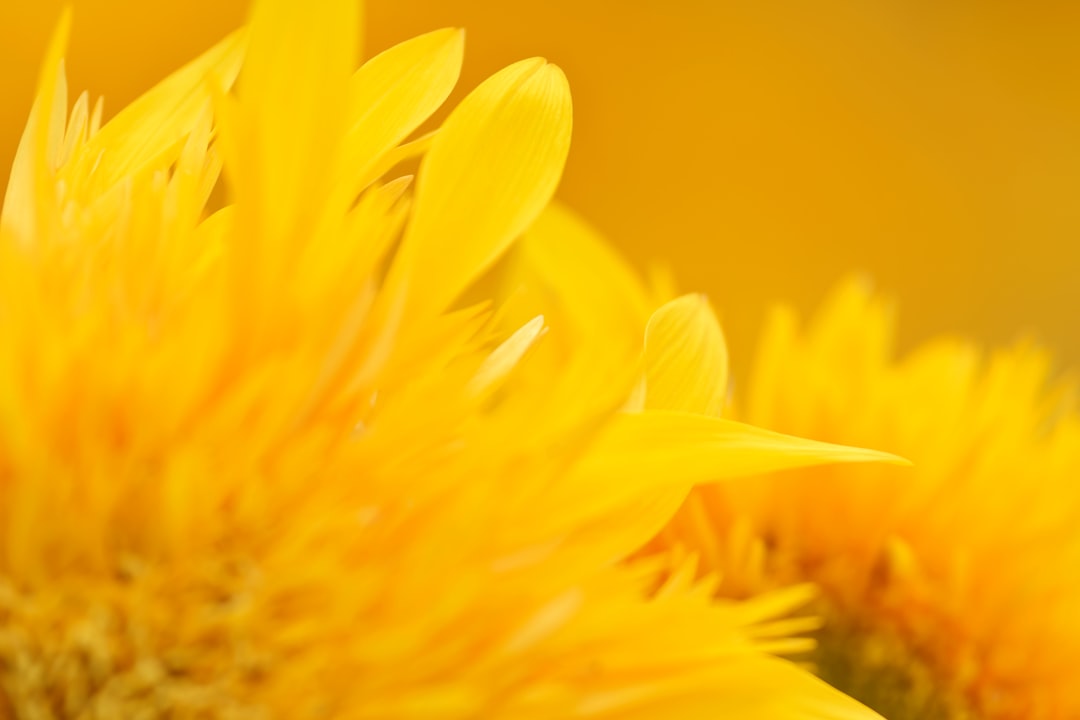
258 457
949 591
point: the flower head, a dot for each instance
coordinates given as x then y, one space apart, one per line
947 591
259 459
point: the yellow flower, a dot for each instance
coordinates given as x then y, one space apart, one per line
259 459
946 592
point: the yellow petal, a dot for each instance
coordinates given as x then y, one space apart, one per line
504 358
491 169
641 456
595 306
393 93
294 105
686 362
747 687
680 447
75 132
400 154
30 183
157 123
777 344
586 281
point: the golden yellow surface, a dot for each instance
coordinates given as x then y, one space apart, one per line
763 148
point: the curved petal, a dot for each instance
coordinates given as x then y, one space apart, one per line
594 303
686 360
491 169
580 277
393 93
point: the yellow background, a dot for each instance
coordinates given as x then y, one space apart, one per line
763 147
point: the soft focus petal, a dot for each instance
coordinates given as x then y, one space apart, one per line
582 277
594 304
685 358
30 192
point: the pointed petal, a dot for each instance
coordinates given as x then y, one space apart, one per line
393 93
491 169
402 153
504 358
30 181
677 447
755 687
157 123
75 132
686 361
641 455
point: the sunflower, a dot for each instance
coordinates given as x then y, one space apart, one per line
258 456
947 592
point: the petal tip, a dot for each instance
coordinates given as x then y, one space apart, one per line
897 460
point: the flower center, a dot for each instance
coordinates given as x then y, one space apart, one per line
877 667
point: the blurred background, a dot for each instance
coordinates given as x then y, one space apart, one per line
761 148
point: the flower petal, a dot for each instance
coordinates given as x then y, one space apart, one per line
393 93
686 360
29 195
158 121
594 304
593 289
663 448
504 358
294 108
490 171
749 687
641 457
